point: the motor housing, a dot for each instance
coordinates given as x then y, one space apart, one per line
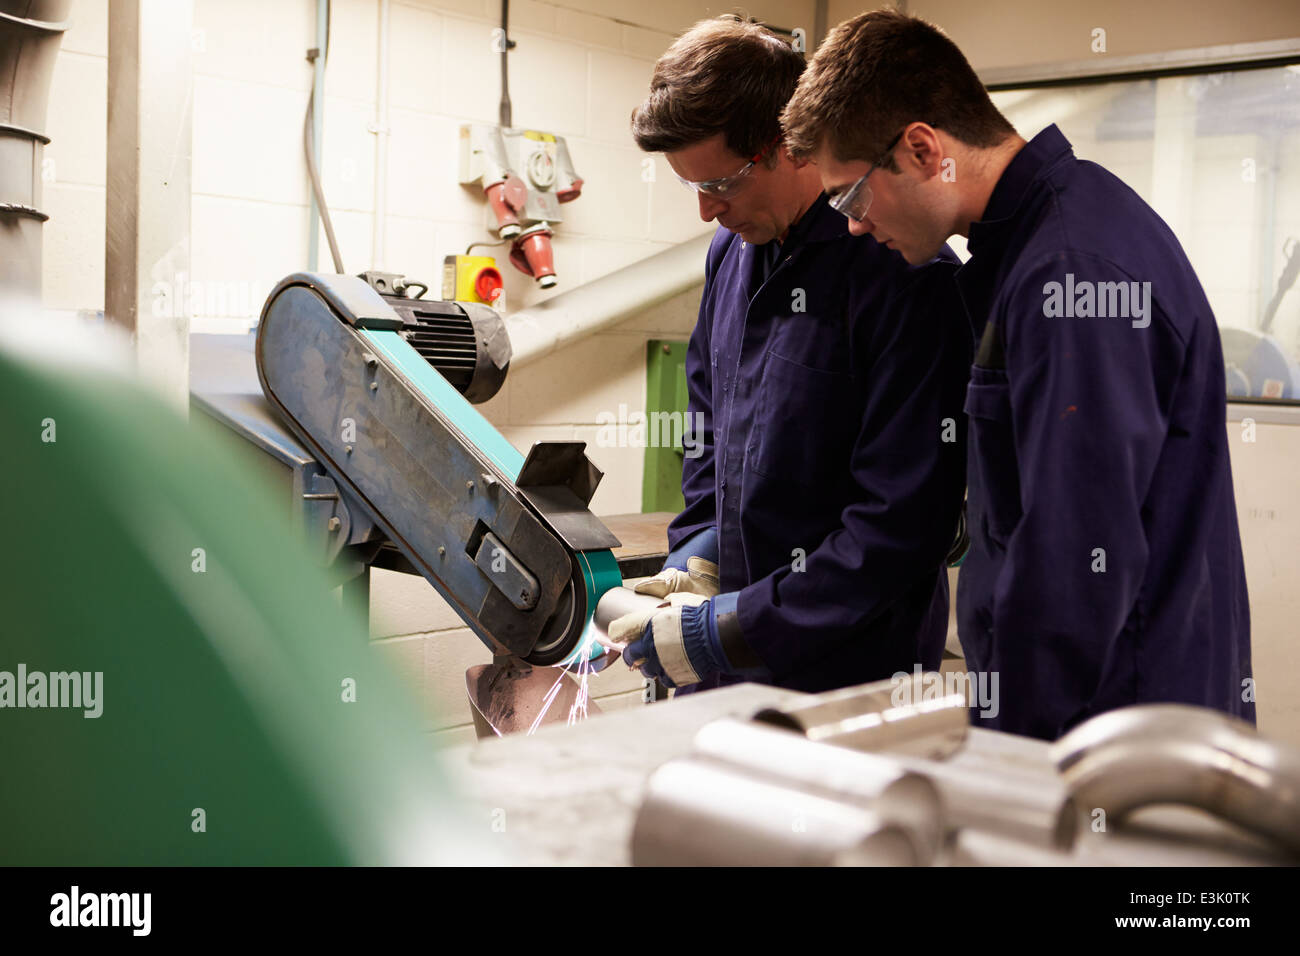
466 342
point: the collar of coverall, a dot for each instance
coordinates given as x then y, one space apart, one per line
1027 167
819 223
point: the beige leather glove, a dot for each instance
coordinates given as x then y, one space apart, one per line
700 577
665 623
623 630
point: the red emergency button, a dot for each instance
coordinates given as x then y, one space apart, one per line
488 284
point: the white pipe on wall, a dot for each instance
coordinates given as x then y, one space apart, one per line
592 306
317 127
380 128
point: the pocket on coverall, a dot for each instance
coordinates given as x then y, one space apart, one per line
994 482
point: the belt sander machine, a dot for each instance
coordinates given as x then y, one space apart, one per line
379 389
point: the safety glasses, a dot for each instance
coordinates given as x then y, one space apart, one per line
856 200
727 186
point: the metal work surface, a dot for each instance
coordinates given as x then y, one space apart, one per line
570 795
223 383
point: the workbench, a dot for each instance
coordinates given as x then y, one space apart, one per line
568 795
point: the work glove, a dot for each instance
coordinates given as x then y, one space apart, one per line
678 643
692 567
700 577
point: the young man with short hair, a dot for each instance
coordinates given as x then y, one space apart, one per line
829 376
1105 567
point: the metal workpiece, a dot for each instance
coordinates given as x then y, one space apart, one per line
1028 808
699 811
877 782
574 794
1141 756
616 602
926 796
901 715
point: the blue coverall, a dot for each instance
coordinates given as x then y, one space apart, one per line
830 377
1105 567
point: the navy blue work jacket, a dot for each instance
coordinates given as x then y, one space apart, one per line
833 452
1105 566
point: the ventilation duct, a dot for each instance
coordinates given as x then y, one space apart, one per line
30 34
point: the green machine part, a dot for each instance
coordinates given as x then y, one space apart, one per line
242 718
666 396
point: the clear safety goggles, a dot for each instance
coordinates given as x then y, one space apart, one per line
727 186
856 200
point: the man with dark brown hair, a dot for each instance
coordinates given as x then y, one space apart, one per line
828 375
1105 566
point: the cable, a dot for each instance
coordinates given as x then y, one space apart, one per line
470 247
309 147
316 186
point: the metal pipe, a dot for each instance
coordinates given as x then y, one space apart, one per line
901 714
542 329
616 602
1134 757
700 812
895 794
1029 808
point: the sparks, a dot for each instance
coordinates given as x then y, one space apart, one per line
579 709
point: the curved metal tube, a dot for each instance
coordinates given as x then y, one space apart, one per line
892 714
1172 753
701 812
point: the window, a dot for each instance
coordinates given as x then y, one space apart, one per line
1217 155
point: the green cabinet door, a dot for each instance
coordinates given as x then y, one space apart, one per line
665 405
